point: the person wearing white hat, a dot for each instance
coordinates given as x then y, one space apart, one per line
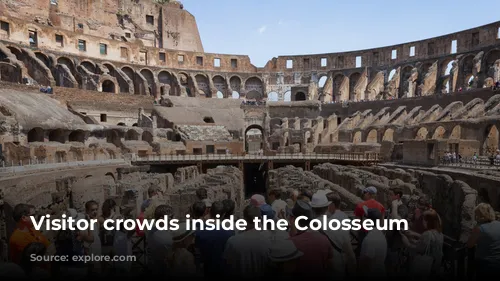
284 256
180 261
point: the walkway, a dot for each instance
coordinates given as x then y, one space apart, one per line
170 159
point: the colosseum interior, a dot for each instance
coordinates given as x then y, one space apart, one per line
136 102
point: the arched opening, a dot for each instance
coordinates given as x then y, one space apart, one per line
110 175
300 96
272 96
36 135
220 95
254 84
439 133
235 83
108 86
57 136
132 135
220 84
388 135
391 75
129 72
287 96
235 95
110 68
357 137
89 66
322 81
490 144
184 82
42 57
77 136
147 137
113 137
422 134
456 133
337 85
208 119
16 52
121 124
254 138
203 85
372 136
177 137
353 80
164 77
148 75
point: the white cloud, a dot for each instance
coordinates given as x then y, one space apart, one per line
262 29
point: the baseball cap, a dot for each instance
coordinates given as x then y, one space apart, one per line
370 189
257 200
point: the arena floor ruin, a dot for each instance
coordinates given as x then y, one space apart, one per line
123 114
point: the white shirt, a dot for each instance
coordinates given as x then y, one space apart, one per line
248 253
374 246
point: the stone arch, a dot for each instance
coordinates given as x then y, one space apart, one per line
422 134
148 75
36 135
491 138
391 74
132 135
129 71
77 136
254 83
220 84
44 58
372 136
57 135
456 132
490 58
287 96
466 65
110 67
108 86
112 136
254 95
16 52
322 81
203 84
353 80
111 175
388 135
147 137
235 83
67 62
247 138
404 87
186 82
337 82
356 138
300 96
90 66
272 96
439 133
166 78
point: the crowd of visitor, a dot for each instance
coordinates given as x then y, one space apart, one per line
252 253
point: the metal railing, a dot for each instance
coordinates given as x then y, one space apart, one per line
471 163
282 156
34 167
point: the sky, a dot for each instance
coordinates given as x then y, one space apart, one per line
263 29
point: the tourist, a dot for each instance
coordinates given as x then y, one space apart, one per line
369 202
198 210
201 193
211 244
208 206
274 198
93 247
159 243
25 233
274 234
35 270
74 248
179 260
343 256
229 207
394 239
257 200
109 211
486 238
140 232
395 195
373 247
418 219
429 247
285 257
247 254
305 195
318 252
122 244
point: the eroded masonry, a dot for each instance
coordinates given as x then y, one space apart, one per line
104 99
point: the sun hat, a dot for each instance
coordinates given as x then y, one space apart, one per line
284 250
181 233
319 200
370 190
267 210
257 200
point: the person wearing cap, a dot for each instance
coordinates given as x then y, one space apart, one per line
373 248
343 255
159 243
247 254
318 252
285 257
369 195
180 261
274 234
211 244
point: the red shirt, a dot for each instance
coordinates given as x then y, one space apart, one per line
317 251
371 204
138 231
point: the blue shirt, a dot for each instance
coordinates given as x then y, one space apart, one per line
211 244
